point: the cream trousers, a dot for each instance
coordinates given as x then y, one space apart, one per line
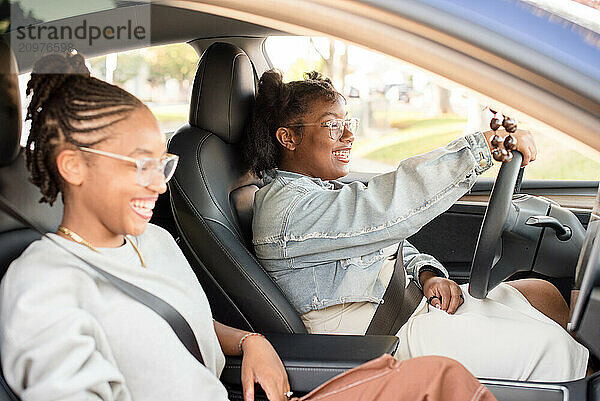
502 336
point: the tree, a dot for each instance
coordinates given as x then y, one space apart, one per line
171 62
335 66
300 66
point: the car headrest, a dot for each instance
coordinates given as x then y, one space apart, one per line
223 92
10 106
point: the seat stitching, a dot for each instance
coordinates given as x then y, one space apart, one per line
205 182
199 92
478 393
231 93
234 261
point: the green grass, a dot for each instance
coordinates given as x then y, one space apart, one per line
411 137
394 153
414 136
571 165
416 123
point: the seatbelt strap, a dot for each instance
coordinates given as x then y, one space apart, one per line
177 322
398 302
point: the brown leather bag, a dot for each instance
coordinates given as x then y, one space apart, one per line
428 378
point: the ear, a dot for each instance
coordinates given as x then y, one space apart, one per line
71 166
287 138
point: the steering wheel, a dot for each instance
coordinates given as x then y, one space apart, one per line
488 247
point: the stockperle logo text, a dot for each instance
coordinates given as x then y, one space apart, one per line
83 31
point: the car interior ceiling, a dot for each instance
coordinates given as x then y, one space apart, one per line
212 221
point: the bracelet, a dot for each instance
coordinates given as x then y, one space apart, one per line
244 339
510 142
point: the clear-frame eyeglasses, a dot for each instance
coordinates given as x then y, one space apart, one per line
336 126
147 168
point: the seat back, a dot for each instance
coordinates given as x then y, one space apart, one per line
14 182
212 197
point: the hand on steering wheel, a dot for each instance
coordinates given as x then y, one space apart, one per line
525 144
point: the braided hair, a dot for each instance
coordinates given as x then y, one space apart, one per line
279 104
68 108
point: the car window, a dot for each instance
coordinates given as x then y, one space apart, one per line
405 110
160 76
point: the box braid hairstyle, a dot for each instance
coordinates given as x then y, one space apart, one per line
279 104
68 108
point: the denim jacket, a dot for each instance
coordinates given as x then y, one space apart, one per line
324 242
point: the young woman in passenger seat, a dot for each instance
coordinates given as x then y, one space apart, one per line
328 244
68 334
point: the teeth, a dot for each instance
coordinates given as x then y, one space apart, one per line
342 153
143 205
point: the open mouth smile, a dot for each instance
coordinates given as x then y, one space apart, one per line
143 207
342 155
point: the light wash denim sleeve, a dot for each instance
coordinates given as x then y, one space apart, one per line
415 260
356 219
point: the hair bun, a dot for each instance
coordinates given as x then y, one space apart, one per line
49 74
69 63
271 81
316 76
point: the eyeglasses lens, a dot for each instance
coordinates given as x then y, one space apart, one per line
169 169
336 128
149 168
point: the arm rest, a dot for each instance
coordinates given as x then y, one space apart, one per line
312 359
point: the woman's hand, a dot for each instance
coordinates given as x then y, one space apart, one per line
262 365
448 294
525 143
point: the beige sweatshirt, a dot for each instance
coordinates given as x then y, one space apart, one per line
68 334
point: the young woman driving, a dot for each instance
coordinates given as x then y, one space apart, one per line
68 334
328 244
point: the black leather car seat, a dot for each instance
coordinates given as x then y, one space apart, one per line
212 197
14 182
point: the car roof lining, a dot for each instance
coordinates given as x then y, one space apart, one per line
168 25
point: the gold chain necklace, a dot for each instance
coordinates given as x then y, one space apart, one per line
73 236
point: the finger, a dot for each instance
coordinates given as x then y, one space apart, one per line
429 293
248 386
435 302
273 391
455 302
533 150
526 156
434 297
446 296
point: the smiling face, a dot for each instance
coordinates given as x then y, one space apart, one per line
107 201
314 153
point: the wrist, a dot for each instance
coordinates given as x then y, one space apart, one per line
247 339
488 138
425 275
